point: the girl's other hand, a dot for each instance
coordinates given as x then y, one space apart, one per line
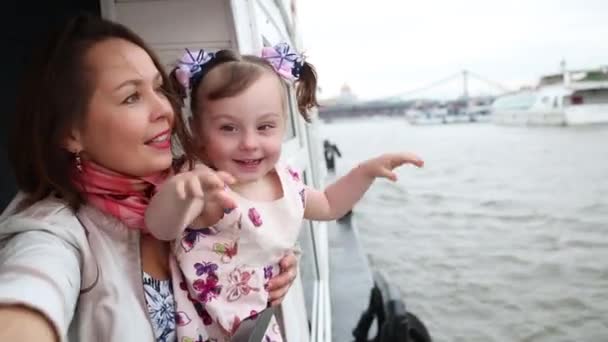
384 165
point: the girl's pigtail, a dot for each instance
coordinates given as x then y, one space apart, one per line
306 90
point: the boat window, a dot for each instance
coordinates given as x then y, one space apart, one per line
291 111
589 96
576 99
522 100
309 270
269 23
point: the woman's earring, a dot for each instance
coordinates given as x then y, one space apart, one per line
78 161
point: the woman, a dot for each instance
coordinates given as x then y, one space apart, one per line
91 141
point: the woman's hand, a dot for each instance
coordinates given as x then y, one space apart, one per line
384 165
279 285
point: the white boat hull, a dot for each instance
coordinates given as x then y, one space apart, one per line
586 114
529 118
558 100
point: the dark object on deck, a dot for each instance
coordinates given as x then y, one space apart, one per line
394 323
330 151
346 218
253 328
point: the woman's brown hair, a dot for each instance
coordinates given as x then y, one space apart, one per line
234 73
54 97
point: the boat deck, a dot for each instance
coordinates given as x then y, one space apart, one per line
350 278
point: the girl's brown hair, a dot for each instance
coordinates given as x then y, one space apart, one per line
234 73
54 96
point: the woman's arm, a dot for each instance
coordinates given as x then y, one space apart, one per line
279 285
20 323
39 286
342 195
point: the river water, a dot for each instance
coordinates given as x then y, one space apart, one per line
502 236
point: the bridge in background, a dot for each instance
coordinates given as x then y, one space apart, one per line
341 111
398 104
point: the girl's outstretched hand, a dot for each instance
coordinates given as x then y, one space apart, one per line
196 197
384 165
208 185
200 182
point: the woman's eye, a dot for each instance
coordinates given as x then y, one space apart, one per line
160 90
131 98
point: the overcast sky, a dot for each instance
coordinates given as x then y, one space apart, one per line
385 47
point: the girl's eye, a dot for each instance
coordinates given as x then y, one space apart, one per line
266 127
132 98
227 128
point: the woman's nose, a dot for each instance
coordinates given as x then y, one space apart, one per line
160 107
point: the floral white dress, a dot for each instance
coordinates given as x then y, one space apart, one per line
225 268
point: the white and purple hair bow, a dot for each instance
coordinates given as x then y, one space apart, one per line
189 67
283 59
287 62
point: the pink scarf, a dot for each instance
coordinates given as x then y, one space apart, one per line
124 197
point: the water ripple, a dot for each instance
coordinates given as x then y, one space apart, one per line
503 236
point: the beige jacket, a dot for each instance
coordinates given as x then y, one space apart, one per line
82 271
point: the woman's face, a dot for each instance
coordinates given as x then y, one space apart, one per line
129 121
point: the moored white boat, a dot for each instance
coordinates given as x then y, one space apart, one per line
587 104
571 98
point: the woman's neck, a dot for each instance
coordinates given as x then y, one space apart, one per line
155 257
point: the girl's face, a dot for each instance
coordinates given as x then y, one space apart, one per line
129 121
242 135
